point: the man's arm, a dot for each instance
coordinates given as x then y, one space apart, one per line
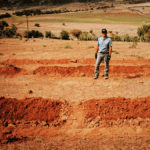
110 50
97 49
96 52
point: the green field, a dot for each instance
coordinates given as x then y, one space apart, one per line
87 17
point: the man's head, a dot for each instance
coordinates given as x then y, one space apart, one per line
104 33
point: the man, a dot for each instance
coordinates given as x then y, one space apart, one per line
104 50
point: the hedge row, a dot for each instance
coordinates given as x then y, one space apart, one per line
7 15
39 12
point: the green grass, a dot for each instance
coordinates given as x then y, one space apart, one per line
67 46
91 46
44 45
137 56
115 52
87 17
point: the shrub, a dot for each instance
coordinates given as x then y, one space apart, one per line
112 38
18 35
128 38
1 27
48 34
135 39
63 24
85 36
37 25
4 23
76 32
7 15
91 31
143 38
64 35
67 46
8 32
117 38
134 44
33 33
143 30
140 31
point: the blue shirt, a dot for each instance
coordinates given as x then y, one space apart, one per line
104 44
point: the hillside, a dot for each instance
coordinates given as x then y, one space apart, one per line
28 3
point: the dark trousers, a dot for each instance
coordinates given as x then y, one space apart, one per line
100 58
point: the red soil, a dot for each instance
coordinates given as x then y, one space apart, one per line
118 108
67 61
28 109
80 71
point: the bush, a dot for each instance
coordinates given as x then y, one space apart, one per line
112 38
64 35
143 39
7 15
48 34
4 23
143 30
91 31
85 36
67 46
135 39
8 32
76 32
33 33
1 27
140 31
128 38
37 25
117 38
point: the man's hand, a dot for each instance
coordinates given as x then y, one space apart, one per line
95 55
109 57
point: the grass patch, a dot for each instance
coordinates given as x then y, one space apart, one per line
91 46
87 17
115 52
44 45
67 46
137 56
134 44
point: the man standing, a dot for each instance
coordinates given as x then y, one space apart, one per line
104 50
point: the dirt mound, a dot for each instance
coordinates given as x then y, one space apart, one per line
80 71
67 61
31 62
9 71
88 71
117 108
12 71
13 110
